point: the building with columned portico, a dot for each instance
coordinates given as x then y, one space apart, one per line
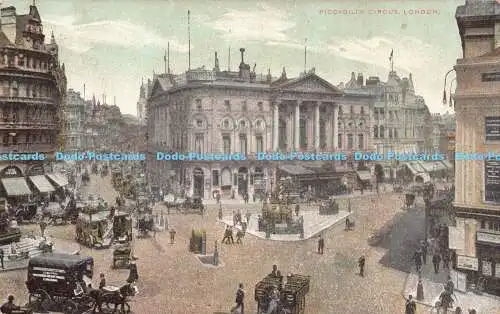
221 111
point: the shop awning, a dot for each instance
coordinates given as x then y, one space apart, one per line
433 166
16 186
447 164
414 167
58 179
364 175
42 184
424 175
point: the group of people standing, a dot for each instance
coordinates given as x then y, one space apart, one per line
439 254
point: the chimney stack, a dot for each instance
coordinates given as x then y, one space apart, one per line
242 50
361 81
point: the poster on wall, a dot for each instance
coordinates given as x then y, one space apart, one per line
456 238
467 262
487 268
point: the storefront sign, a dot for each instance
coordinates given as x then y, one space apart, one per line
492 128
10 172
488 237
466 262
492 181
487 268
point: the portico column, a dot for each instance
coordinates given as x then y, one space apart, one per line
316 127
335 127
276 122
296 136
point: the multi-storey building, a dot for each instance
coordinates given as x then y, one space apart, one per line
104 126
476 235
32 94
142 102
399 118
439 134
214 111
75 121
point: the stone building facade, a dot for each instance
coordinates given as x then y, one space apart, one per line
399 118
75 117
144 91
476 234
214 111
32 96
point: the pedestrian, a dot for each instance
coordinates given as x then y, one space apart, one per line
446 259
225 238
436 259
239 236
361 264
418 259
411 306
347 224
230 234
172 235
102 282
240 296
9 307
133 275
423 246
43 226
321 245
2 254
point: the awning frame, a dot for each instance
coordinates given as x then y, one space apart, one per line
42 184
21 182
58 179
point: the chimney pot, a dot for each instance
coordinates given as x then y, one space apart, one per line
242 50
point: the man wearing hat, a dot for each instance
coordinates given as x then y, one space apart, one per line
133 274
9 306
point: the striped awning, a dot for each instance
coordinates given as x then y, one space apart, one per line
42 184
16 186
58 179
364 175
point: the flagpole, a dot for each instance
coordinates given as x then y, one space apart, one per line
189 40
165 61
168 58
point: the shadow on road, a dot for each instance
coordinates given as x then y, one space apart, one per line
400 237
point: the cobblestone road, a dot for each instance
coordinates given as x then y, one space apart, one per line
173 281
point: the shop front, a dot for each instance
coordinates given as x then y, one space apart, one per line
488 252
14 185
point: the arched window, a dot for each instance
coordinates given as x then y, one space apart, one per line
381 131
375 131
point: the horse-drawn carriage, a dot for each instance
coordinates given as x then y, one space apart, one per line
122 256
122 227
8 233
91 229
55 282
329 207
185 205
58 213
273 295
27 212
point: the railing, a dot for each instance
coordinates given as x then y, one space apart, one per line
28 148
27 125
35 100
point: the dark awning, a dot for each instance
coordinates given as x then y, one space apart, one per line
295 170
42 184
58 179
16 186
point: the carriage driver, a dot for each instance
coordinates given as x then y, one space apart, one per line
9 306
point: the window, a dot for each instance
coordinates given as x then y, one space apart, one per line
15 89
381 131
362 110
198 143
260 106
375 131
390 133
361 141
243 124
243 144
226 141
227 105
322 134
260 143
340 139
244 107
303 134
352 109
341 110
491 185
258 124
215 177
199 106
350 141
395 133
199 123
225 124
492 132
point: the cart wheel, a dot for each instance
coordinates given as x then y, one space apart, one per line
70 307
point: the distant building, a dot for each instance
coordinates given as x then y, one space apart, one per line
475 233
144 92
32 97
75 121
399 118
439 135
224 112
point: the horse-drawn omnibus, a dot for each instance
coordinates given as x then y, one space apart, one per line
92 228
56 282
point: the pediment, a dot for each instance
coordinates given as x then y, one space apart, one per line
157 88
311 83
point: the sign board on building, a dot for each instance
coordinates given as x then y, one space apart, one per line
492 181
456 237
466 262
459 279
492 125
486 268
488 237
10 172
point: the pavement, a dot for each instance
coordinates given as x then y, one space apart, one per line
314 224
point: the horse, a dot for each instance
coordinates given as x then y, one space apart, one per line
117 297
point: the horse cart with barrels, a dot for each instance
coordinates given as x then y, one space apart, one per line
122 256
276 294
56 283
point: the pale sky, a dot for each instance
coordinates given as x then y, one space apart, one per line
110 45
